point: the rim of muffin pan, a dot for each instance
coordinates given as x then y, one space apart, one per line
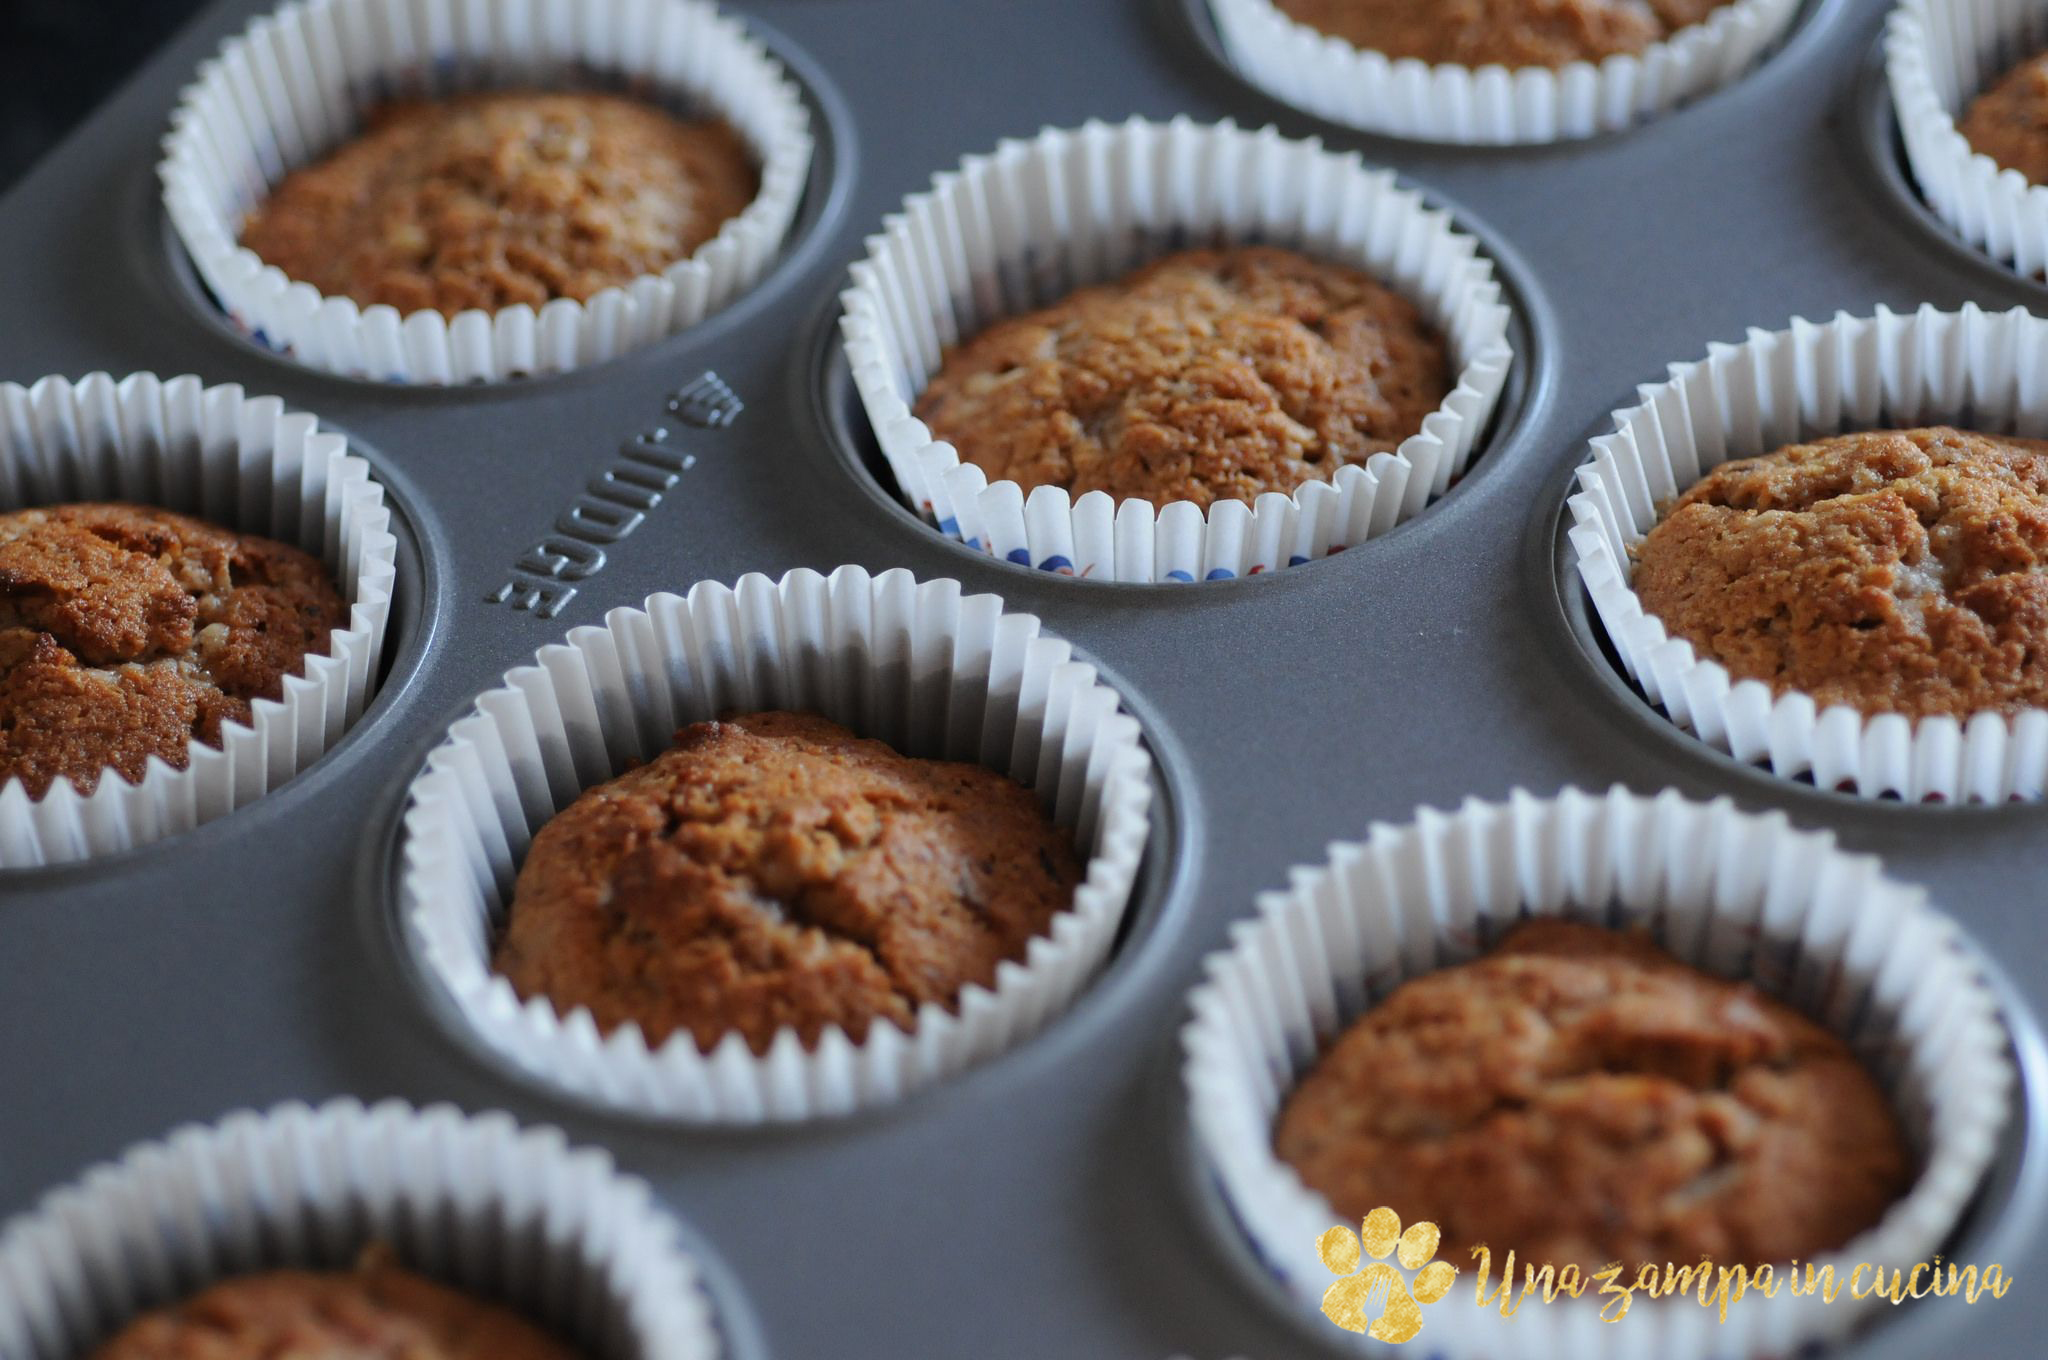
415 618
828 190
1530 388
1157 912
1994 1226
1810 28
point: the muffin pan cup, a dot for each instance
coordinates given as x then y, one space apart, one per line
934 674
242 461
298 82
1969 368
1492 105
1731 893
1939 55
1038 219
513 1216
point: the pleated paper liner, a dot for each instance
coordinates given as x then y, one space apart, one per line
241 461
1735 894
1040 218
297 83
1970 368
1492 105
1939 56
918 665
512 1216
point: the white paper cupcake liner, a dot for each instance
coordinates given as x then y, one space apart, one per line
514 1217
1939 56
1038 219
297 83
1971 368
921 667
1492 105
1735 894
240 461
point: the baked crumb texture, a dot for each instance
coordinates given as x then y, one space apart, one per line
2009 121
1892 571
1500 32
492 200
777 872
1579 1096
375 1312
1207 375
128 632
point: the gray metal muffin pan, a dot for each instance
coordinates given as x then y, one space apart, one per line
1046 1203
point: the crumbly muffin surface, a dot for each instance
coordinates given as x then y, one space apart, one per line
1894 571
1579 1096
127 631
1205 376
1501 32
490 200
2009 121
775 871
375 1312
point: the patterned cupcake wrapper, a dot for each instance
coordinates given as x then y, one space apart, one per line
1736 894
1969 368
1492 105
1939 56
298 82
512 1216
241 461
931 672
1041 218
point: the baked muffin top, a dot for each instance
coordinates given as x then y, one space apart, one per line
127 631
1207 375
775 871
1501 32
375 1312
1896 571
1580 1097
2009 121
490 200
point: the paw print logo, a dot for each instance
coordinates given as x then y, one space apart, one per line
1379 1288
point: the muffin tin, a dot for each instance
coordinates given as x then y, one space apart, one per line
1045 1202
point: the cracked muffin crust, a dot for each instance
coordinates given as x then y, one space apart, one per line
1899 571
490 200
1501 32
128 632
1207 375
2009 121
775 871
375 1312
1579 1096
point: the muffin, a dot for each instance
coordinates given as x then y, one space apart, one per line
1207 375
1580 1097
1896 571
777 872
2009 121
492 200
375 1312
128 632
1500 32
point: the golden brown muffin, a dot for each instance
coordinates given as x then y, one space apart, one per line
776 871
1501 32
1580 1097
1205 376
2009 121
374 1312
128 632
1893 571
489 200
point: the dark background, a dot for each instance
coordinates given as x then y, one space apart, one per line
60 58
